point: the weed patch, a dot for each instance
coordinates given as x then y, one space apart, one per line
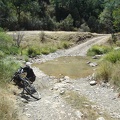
104 71
98 49
113 56
7 110
82 104
7 68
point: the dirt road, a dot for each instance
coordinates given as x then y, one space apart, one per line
53 107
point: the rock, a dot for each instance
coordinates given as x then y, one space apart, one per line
62 92
79 114
93 82
88 62
93 64
100 118
55 88
96 56
66 78
28 115
117 48
118 95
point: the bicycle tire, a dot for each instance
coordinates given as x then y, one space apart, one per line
30 89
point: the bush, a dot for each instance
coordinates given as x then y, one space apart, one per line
2 54
98 49
6 44
84 28
14 50
116 75
32 51
7 110
118 43
113 56
1 29
104 71
7 68
66 24
42 37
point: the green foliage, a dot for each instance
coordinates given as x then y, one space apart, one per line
116 16
110 16
113 56
109 72
42 36
46 49
67 23
1 54
98 49
7 68
118 43
6 44
84 28
60 15
1 29
116 75
104 71
33 51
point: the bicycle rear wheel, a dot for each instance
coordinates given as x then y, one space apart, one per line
30 89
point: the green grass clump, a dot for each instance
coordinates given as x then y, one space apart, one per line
104 71
7 68
33 51
64 45
116 75
7 109
98 50
113 56
109 72
7 45
46 48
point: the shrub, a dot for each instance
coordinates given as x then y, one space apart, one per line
42 37
1 29
118 43
104 71
98 49
84 27
116 75
7 68
45 50
53 49
113 56
1 54
66 45
7 110
33 51
67 23
6 44
14 50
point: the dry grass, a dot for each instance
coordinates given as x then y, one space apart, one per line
81 103
7 106
34 38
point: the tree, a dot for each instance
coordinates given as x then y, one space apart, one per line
110 15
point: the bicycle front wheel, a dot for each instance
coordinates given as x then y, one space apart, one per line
30 89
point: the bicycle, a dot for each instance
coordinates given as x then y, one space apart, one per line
25 84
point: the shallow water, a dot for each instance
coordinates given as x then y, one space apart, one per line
72 66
